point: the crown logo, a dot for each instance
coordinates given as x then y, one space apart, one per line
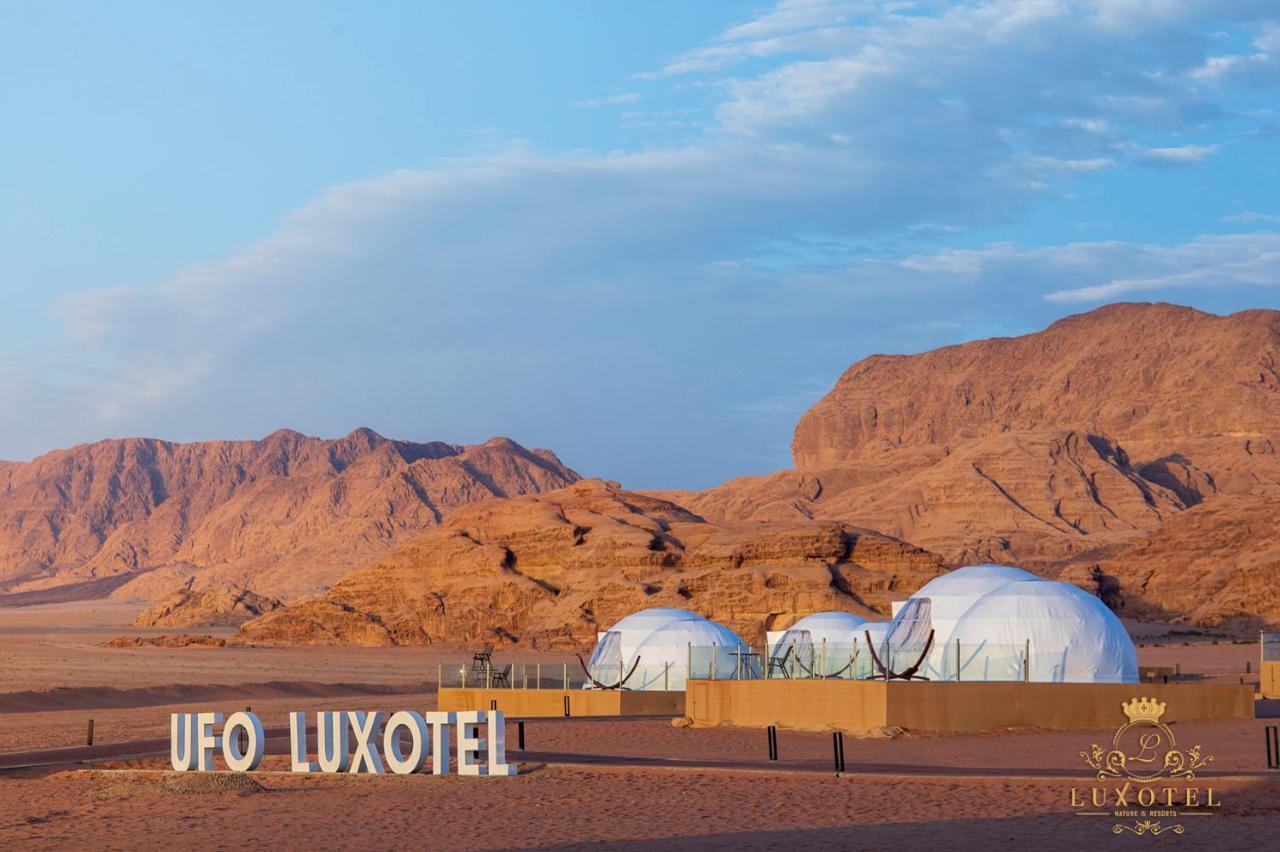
1143 710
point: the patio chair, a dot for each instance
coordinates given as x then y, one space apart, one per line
779 664
480 661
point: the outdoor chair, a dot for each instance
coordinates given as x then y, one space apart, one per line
480 661
779 664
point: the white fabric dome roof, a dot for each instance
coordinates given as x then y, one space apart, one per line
961 587
833 626
951 595
1074 637
664 654
654 617
659 643
634 628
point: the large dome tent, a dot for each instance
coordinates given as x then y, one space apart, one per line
631 630
663 659
951 594
1073 637
655 646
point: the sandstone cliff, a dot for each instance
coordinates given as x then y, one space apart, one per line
284 516
1133 438
554 568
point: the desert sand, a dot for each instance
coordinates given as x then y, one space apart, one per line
618 784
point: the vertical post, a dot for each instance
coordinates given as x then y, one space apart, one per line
520 733
957 661
566 706
488 676
1026 663
89 736
666 676
713 660
824 657
837 750
1272 736
538 674
773 743
688 649
566 680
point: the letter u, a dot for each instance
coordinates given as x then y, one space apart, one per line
182 741
333 750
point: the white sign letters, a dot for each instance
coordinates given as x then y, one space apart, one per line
401 742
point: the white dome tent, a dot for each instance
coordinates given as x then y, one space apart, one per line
951 595
653 649
714 652
822 643
835 626
633 629
1072 637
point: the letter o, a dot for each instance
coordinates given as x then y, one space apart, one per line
391 750
249 759
1149 799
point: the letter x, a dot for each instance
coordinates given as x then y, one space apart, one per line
366 727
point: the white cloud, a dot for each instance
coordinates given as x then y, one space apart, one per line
1260 67
610 100
1207 262
1176 155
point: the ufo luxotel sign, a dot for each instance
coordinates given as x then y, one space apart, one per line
352 742
1143 765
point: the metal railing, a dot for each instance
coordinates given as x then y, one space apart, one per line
512 675
793 661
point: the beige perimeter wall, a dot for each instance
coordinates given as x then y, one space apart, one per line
950 707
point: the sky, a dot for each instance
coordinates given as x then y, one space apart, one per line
647 236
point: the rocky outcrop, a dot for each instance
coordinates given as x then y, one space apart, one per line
284 516
213 608
553 569
181 640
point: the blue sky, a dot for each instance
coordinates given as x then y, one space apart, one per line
647 236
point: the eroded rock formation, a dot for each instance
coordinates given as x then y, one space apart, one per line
553 569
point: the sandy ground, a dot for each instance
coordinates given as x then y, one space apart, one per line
569 807
914 792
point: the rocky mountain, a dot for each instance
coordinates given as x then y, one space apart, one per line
284 516
552 569
1138 439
